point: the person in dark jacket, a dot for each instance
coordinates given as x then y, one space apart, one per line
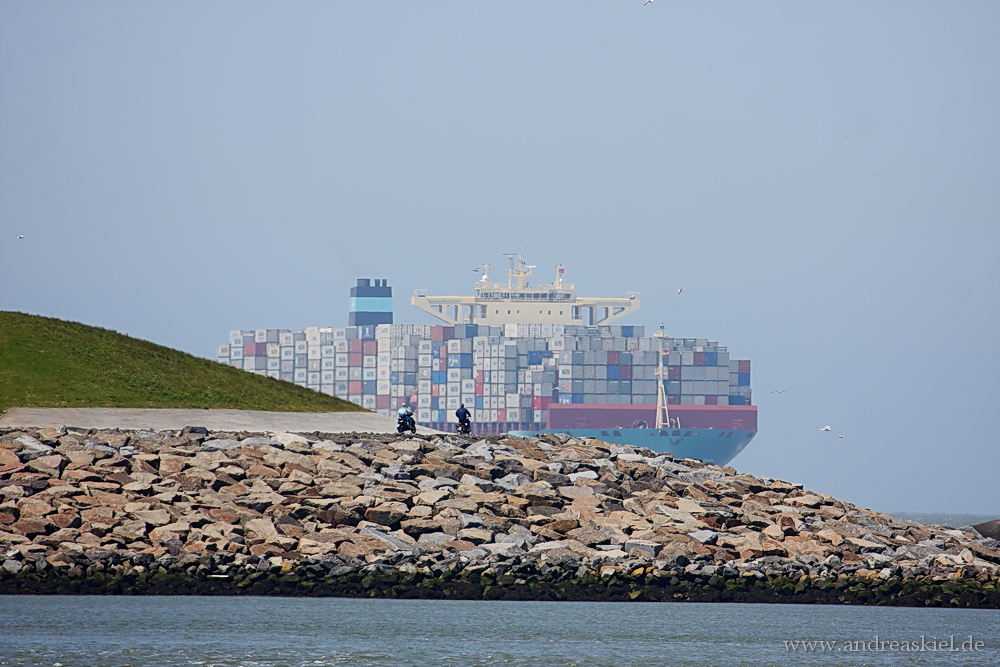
463 415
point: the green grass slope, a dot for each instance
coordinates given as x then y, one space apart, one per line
50 363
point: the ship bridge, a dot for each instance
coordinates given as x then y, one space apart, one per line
517 301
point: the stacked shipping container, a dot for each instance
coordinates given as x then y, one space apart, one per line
508 376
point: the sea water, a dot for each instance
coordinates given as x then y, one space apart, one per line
71 631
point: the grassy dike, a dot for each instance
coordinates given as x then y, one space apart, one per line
51 363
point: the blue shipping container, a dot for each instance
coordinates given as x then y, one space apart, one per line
626 331
434 402
368 387
612 372
576 398
744 380
479 402
534 358
711 358
737 400
394 377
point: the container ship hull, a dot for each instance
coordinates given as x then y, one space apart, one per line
715 434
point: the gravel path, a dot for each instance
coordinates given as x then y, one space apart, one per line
216 420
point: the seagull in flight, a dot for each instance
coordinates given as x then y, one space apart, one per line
779 391
21 236
826 428
681 289
841 437
648 2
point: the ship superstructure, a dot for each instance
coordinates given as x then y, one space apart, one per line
518 301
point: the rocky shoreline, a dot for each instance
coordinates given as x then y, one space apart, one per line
374 515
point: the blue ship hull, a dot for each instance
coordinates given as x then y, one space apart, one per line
705 444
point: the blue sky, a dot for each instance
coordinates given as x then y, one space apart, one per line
821 178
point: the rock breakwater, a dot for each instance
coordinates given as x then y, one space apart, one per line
199 512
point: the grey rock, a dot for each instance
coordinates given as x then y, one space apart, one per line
518 535
106 449
511 481
502 548
436 538
396 471
257 441
219 444
329 445
478 481
704 536
12 566
31 448
583 474
391 541
470 521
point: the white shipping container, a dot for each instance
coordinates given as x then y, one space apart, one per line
468 386
326 389
382 387
423 400
369 374
368 402
424 360
468 399
369 361
424 415
236 352
513 415
222 351
274 364
454 389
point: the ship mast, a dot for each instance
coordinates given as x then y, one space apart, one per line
662 412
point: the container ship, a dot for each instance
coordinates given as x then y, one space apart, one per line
522 358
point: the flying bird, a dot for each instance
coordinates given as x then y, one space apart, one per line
779 391
648 2
841 437
826 428
681 289
21 236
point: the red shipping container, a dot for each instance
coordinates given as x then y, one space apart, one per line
382 402
249 349
369 347
479 389
448 333
501 416
699 358
624 372
546 401
744 365
355 359
444 353
536 403
435 389
355 345
711 400
354 387
479 377
673 372
437 332
613 357
673 400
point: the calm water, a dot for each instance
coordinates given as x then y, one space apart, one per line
174 631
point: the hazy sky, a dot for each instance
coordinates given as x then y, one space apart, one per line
822 177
